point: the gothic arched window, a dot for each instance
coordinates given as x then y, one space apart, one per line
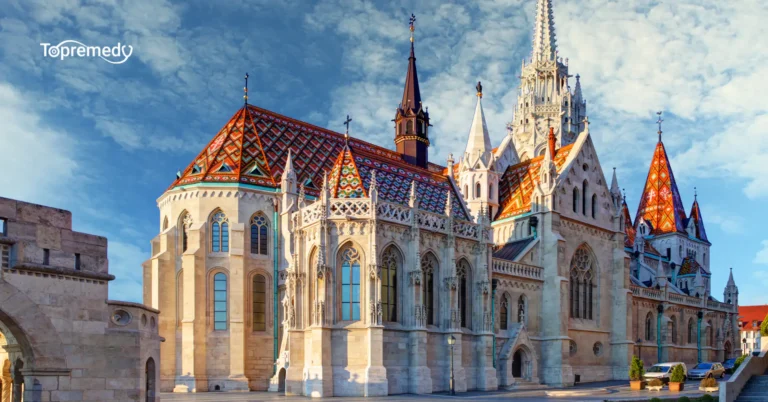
584 188
390 261
594 205
409 127
575 199
504 313
690 330
674 329
185 222
429 267
582 284
477 190
259 234
463 271
165 224
711 330
522 310
350 284
220 302
219 232
649 327
259 296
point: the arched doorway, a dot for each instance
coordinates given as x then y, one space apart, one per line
727 350
149 378
517 364
281 381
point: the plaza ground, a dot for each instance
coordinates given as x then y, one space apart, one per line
617 391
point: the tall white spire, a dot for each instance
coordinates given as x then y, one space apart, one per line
544 42
479 142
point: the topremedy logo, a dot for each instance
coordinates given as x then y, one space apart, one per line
117 54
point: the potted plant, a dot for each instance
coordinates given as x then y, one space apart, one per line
655 385
636 372
677 379
708 384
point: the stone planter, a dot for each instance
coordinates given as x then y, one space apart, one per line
636 385
676 386
709 389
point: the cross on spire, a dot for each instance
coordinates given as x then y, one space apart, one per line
659 123
245 90
346 123
411 26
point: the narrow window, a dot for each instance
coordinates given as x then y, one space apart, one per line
504 313
648 323
674 330
429 266
350 285
690 330
477 190
46 256
594 206
259 303
390 259
466 190
220 302
259 234
584 198
185 222
409 127
575 199
3 227
462 272
165 224
77 261
220 232
490 192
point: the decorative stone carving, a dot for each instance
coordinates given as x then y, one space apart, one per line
415 277
451 283
484 287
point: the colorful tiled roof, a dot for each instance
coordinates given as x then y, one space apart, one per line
660 203
261 138
689 267
345 181
519 180
698 221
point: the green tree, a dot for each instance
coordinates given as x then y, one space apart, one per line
636 370
764 326
678 375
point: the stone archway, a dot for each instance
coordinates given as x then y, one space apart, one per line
149 378
281 380
516 360
517 364
727 350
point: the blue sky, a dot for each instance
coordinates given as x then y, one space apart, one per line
105 141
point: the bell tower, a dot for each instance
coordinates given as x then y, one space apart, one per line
411 119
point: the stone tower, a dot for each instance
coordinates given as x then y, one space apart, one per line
545 98
478 178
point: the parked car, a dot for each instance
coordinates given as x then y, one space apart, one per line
663 370
728 365
704 370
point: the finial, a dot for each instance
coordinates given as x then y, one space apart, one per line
659 123
412 27
624 190
479 88
695 194
586 123
549 121
346 123
245 89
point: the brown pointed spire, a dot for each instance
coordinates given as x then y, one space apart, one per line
411 94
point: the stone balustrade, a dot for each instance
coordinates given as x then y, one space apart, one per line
517 269
662 296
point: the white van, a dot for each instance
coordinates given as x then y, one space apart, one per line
662 371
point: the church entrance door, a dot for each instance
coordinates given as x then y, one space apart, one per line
517 364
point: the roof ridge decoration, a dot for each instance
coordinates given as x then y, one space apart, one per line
660 203
345 180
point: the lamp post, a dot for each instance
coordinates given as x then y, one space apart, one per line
660 309
640 348
699 315
451 342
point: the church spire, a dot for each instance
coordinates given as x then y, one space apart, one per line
411 119
479 142
544 43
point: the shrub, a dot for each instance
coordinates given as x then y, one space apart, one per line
707 398
738 362
708 382
764 326
655 382
678 375
636 370
684 399
655 400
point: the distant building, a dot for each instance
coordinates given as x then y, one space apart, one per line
750 318
60 338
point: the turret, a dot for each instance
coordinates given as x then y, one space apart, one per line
661 276
731 293
698 284
288 185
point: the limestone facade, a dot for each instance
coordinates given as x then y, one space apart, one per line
61 338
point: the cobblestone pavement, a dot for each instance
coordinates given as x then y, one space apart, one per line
617 391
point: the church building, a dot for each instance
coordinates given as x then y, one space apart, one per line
305 261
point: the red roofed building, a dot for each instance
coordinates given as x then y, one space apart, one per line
750 319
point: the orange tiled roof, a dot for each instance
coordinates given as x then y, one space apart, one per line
519 180
254 145
749 314
698 221
660 203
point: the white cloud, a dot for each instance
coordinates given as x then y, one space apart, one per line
762 256
731 225
39 159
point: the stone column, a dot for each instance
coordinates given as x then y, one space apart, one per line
376 383
193 376
237 380
318 381
161 294
7 384
621 320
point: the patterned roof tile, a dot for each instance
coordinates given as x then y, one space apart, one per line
660 203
